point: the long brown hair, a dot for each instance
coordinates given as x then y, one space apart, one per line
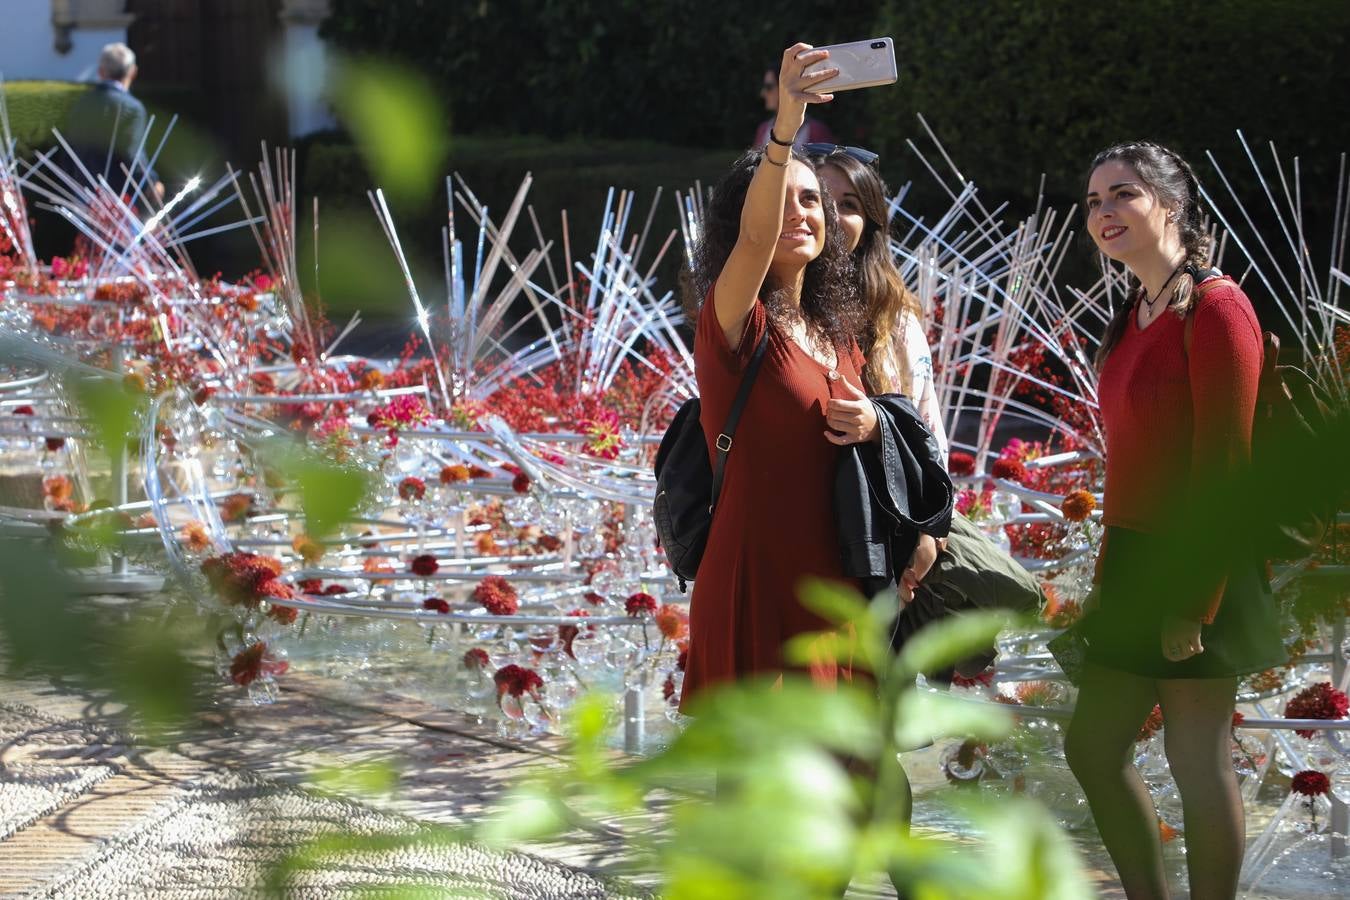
1172 182
829 301
885 299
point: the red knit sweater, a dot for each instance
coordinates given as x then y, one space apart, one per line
1169 414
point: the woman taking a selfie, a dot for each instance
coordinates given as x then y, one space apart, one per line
772 267
1179 366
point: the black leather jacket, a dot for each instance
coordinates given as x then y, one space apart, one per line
886 494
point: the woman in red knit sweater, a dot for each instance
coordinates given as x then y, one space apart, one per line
1177 411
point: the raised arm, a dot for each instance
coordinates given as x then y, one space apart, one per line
741 278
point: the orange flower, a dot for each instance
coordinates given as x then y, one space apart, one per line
1078 506
236 507
372 380
310 550
454 474
196 538
57 488
486 544
673 621
1166 832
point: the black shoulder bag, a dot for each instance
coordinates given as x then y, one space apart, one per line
687 486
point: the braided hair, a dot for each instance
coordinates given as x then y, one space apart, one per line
1173 183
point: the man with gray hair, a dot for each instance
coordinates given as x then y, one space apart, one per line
107 126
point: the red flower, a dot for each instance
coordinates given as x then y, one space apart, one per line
549 543
424 565
476 472
593 598
521 483
412 488
476 658
1321 701
24 410
497 595
202 394
683 659
1152 725
640 603
1238 719
310 585
1058 612
1078 505
252 663
400 412
437 604
286 615
55 443
517 680
673 621
568 633
334 589
668 691
245 579
959 463
1310 783
1009 469
985 678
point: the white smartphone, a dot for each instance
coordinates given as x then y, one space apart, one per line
861 64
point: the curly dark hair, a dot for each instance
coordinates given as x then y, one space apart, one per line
1173 184
830 302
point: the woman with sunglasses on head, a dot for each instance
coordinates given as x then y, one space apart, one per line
1179 367
772 268
891 332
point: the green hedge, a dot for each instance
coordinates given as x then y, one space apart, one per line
1017 88
35 107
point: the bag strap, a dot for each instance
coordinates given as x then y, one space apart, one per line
724 440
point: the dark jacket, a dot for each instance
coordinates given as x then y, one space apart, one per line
886 494
106 127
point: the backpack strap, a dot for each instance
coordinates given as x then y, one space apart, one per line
724 440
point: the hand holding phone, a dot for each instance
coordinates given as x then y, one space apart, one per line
861 64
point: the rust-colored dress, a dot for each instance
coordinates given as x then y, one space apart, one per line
774 522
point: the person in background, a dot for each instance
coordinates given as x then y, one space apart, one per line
811 130
107 126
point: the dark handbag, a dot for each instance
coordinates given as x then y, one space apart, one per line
687 486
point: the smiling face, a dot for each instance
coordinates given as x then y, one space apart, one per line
1126 219
852 222
803 234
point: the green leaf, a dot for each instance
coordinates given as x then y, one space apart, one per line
375 778
922 716
397 122
112 410
948 641
329 492
1027 856
832 601
529 812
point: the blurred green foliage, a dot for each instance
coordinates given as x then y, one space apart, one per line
34 107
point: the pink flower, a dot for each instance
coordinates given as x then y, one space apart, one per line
59 267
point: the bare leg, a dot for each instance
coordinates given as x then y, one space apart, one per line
1197 723
1099 748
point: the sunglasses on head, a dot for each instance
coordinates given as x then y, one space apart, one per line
866 157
